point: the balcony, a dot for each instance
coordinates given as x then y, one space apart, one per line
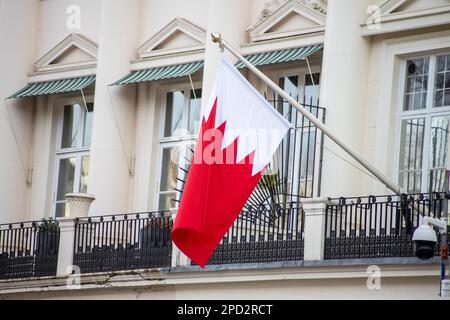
350 228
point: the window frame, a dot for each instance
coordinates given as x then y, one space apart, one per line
428 113
64 153
275 74
180 141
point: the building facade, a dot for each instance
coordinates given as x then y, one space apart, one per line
105 98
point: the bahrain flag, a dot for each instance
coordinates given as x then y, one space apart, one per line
239 134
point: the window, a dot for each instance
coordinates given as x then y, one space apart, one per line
298 160
424 124
180 125
72 153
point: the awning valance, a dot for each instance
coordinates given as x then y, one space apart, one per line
160 73
56 86
279 56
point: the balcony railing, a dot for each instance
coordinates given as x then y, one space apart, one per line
355 228
374 227
28 249
123 242
266 234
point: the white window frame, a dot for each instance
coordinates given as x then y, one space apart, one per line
65 153
180 141
428 113
302 73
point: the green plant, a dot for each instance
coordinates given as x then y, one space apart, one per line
269 180
48 225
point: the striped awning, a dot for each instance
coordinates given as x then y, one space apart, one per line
160 73
51 87
279 56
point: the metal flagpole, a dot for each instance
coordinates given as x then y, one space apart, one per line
217 38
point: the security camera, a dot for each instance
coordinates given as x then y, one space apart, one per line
425 238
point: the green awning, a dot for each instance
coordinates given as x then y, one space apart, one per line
51 87
279 56
160 73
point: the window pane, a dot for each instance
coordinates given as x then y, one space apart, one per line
441 63
194 111
290 85
174 113
416 84
71 126
61 209
438 152
447 98
442 82
66 176
166 201
312 86
84 174
169 168
411 151
438 98
88 125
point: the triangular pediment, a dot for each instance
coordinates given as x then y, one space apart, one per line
397 6
179 35
292 18
74 50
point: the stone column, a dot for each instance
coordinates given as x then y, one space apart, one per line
230 18
66 244
113 133
314 224
344 91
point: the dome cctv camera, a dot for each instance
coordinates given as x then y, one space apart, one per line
425 240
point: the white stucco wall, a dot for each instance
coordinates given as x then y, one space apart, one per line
113 132
18 31
53 26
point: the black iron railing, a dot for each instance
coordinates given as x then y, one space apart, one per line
123 242
266 234
382 226
28 249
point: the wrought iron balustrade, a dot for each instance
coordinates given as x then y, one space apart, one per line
28 249
265 234
123 242
373 227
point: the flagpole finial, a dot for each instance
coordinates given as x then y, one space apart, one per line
216 37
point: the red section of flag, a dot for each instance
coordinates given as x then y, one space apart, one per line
215 192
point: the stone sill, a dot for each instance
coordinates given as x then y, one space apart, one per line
306 264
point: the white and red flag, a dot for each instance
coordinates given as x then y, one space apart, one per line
239 134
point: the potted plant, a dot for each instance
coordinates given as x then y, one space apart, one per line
47 239
155 234
269 182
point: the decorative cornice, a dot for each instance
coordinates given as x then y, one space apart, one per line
77 40
271 5
148 49
260 30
